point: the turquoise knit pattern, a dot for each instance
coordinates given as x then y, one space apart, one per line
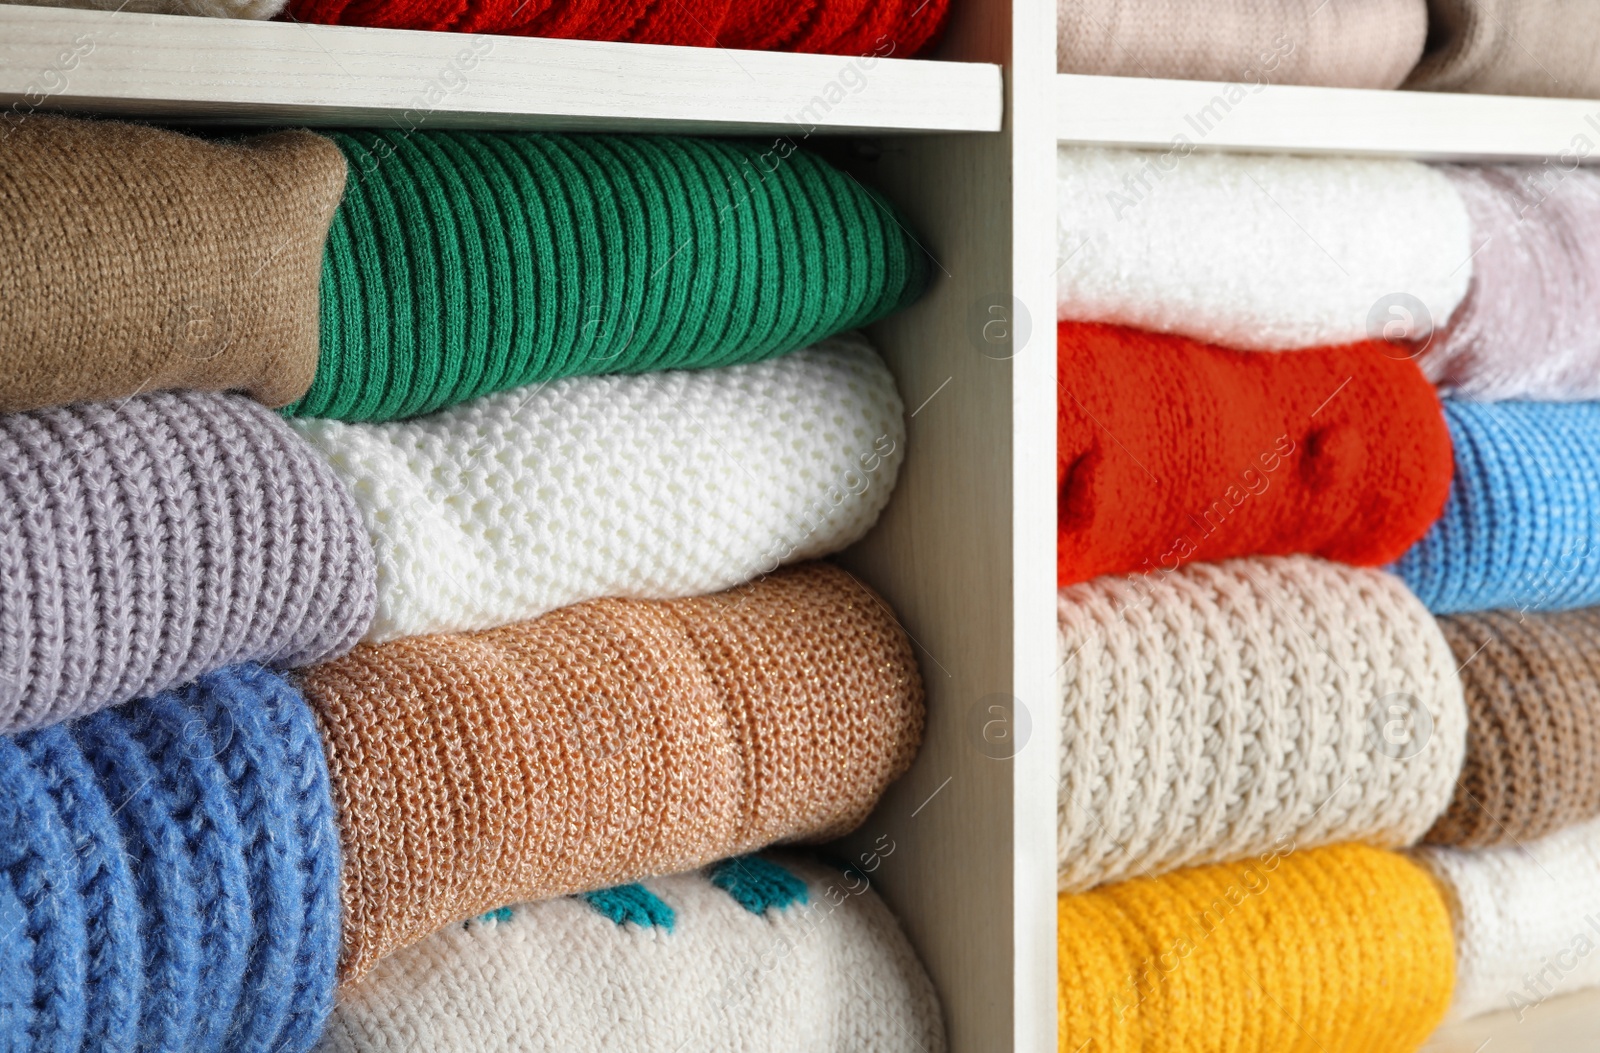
464 263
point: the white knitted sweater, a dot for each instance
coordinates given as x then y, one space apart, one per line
1526 919
1259 253
832 975
1212 712
653 486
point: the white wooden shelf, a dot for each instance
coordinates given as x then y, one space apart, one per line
1432 126
225 70
1568 1024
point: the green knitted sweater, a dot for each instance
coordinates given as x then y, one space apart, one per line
463 263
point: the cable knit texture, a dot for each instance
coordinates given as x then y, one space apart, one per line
136 259
832 973
1526 328
1210 712
605 742
464 263
1169 451
1522 526
1532 685
1246 43
1511 47
147 541
169 875
658 486
1526 918
1313 951
1262 253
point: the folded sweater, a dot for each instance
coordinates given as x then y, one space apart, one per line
137 259
1263 253
1299 951
605 742
1526 328
1511 47
169 875
1210 712
1522 526
755 953
1170 451
1350 44
147 541
655 486
1526 918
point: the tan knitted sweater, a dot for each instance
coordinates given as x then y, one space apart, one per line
605 742
1512 47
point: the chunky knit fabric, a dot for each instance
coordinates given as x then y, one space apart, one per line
1210 712
1522 526
1511 47
1526 918
830 971
656 486
149 540
1350 44
135 259
607 741
169 875
1526 329
1308 951
464 263
1264 253
1170 451
1532 686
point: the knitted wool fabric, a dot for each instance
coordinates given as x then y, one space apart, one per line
1525 329
135 259
1300 951
1522 526
1526 918
607 741
147 541
169 875
831 972
1511 47
1263 253
1169 451
1359 44
464 263
1532 686
1210 712
656 486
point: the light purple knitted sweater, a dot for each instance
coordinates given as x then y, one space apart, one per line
145 542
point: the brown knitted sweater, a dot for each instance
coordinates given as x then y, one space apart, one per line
135 259
605 742
1532 686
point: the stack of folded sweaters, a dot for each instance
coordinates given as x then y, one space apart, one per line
454 705
1329 570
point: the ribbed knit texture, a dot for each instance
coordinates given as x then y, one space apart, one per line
1209 712
830 974
1526 329
605 742
1169 451
1264 253
1522 526
1349 44
464 263
1319 950
147 541
1532 686
169 875
135 259
1526 918
657 486
1511 47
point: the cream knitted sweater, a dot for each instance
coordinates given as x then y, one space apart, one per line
1214 712
650 486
